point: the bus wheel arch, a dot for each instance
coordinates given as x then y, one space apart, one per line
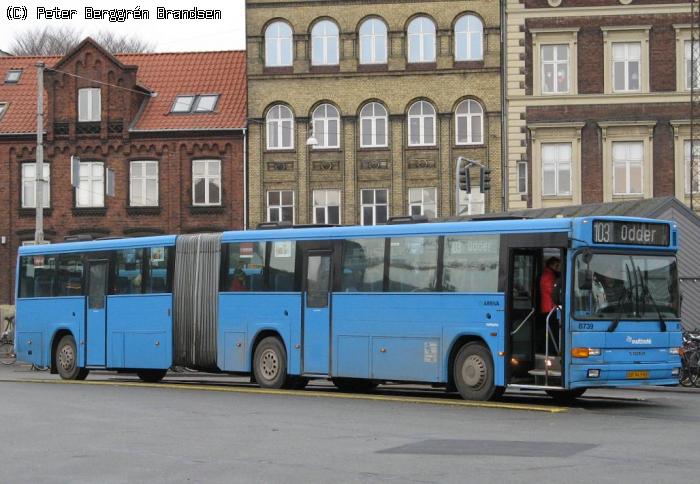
474 352
275 352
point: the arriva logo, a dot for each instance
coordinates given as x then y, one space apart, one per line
638 341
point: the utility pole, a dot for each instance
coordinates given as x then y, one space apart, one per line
694 96
39 173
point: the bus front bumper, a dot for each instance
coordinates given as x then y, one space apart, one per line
623 375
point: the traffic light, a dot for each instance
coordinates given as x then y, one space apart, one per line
485 180
465 183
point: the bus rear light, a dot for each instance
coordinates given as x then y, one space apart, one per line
585 352
593 373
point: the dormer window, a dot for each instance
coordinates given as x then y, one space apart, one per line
182 104
89 105
200 103
13 76
3 108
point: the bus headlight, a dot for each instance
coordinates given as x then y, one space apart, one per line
585 352
674 351
675 371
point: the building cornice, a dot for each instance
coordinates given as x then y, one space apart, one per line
603 99
607 11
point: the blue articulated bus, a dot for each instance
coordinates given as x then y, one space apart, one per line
454 304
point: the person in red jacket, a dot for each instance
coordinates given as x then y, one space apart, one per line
548 279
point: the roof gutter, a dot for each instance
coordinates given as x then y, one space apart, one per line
182 130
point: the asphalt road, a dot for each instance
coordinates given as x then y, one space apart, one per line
188 432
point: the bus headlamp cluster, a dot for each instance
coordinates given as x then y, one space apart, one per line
585 352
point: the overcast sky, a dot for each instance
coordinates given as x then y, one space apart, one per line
167 35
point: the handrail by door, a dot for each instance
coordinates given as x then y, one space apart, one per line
557 346
523 322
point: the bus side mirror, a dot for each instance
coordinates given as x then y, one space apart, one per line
557 293
585 280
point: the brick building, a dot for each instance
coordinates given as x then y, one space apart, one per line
358 110
597 101
171 126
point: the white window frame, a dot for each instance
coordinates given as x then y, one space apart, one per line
327 38
627 60
373 36
469 116
686 166
374 118
424 202
628 162
97 199
207 177
373 205
281 40
280 206
28 182
466 35
520 177
143 181
278 123
422 36
687 48
90 94
558 164
422 116
326 205
555 63
327 137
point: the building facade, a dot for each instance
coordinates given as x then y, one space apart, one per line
359 110
170 127
597 101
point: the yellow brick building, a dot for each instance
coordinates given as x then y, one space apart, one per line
358 110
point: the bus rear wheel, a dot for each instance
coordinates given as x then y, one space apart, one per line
151 376
270 363
473 372
66 360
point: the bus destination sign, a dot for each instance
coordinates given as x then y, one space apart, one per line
631 233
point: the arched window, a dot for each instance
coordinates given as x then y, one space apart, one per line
421 124
278 45
280 128
421 40
324 44
326 126
374 126
373 42
469 122
469 38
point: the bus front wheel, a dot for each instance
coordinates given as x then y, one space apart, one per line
473 372
270 363
66 360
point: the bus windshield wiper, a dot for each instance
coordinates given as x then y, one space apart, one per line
647 293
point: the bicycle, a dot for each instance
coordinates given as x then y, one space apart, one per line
689 374
7 346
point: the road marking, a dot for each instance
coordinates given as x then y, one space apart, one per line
304 393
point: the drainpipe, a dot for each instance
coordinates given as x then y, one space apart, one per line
504 109
245 179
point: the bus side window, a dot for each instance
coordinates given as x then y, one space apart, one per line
70 275
470 263
363 265
37 276
157 270
282 266
246 261
413 264
129 273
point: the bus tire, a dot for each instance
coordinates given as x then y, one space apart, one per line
473 372
151 376
566 396
270 363
66 360
354 384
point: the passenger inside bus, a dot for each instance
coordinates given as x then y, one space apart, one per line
547 285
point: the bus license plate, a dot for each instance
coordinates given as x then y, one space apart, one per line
637 375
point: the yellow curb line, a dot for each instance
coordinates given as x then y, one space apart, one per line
304 393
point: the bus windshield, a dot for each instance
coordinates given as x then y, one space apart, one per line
625 286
